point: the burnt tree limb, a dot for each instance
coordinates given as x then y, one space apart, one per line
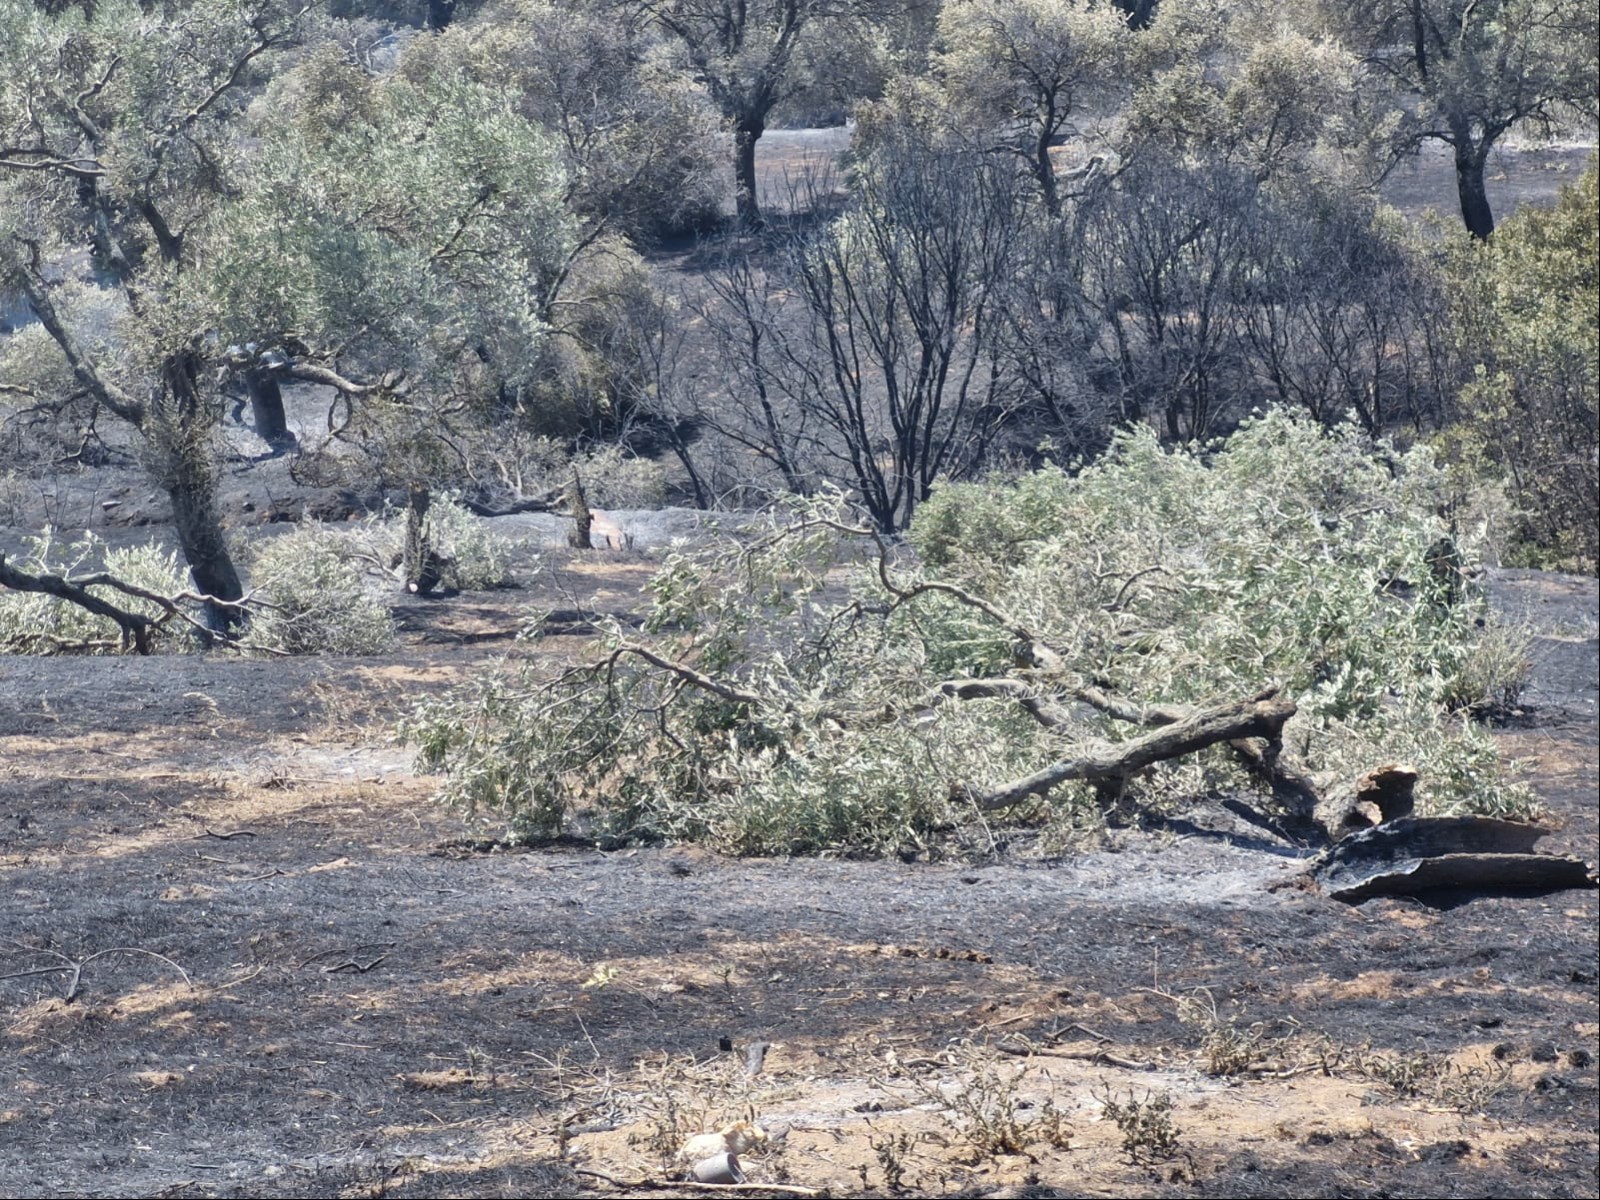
1261 716
135 627
1418 854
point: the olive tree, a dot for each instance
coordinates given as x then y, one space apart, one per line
1525 305
745 55
416 286
1024 68
1471 71
118 137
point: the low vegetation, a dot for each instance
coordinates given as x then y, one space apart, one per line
810 688
315 590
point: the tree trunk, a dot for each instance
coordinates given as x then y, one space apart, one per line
419 570
1475 209
266 408
579 538
190 485
1140 12
440 14
746 132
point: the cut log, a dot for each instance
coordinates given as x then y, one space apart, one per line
549 502
1419 854
1386 794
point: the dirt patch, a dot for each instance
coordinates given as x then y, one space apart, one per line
290 973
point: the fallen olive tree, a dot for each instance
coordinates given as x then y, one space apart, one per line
1266 619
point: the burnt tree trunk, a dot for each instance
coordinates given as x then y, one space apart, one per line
191 487
179 433
582 519
1475 210
266 408
747 132
419 566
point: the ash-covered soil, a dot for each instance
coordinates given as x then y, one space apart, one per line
242 953
290 973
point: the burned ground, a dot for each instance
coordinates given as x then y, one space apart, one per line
291 973
300 976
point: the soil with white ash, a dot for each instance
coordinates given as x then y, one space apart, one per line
242 953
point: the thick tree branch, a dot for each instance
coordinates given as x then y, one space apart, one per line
1261 716
135 627
83 367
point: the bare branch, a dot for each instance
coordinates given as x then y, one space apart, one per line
1261 716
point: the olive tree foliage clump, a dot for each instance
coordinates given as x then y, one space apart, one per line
38 623
1530 413
316 599
324 590
810 688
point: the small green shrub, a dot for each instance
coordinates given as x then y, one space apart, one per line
475 557
316 600
611 478
1148 1132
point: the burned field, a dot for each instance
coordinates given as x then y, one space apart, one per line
245 954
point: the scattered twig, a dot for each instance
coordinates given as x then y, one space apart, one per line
702 1188
359 968
352 951
73 968
224 837
1025 1049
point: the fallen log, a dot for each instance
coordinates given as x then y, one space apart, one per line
1419 854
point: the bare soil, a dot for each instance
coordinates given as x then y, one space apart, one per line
246 955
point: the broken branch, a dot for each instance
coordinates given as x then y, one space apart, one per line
1260 716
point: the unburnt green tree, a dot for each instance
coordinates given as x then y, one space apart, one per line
1472 71
1526 305
745 55
1023 69
415 286
639 144
119 139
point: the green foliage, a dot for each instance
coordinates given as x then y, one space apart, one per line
315 598
788 697
1531 414
428 259
1286 555
475 558
32 623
